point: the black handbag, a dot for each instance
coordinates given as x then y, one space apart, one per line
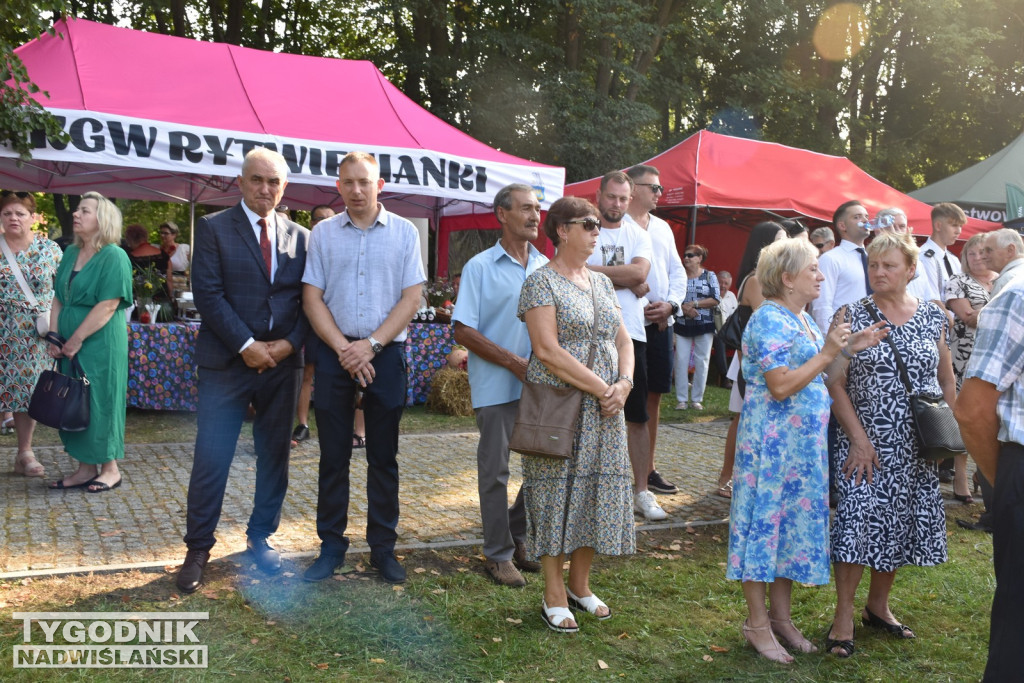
61 401
731 333
937 431
546 419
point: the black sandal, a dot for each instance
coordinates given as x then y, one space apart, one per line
845 646
897 629
358 441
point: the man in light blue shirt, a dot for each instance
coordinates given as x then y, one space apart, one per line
499 348
363 281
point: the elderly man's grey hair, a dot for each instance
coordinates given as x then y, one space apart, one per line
504 197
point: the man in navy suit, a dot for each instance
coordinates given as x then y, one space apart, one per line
247 281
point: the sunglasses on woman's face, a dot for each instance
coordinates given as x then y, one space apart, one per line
689 255
589 223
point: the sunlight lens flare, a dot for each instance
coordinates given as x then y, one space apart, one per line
841 32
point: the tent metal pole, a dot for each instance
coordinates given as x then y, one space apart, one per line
693 225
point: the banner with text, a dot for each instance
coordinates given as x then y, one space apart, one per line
114 140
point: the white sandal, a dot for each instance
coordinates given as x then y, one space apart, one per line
590 603
561 614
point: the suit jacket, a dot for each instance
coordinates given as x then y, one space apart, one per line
233 293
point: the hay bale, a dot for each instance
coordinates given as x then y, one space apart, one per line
449 393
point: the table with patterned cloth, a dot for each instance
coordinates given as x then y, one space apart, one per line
425 350
162 371
161 366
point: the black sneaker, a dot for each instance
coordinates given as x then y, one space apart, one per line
656 483
300 433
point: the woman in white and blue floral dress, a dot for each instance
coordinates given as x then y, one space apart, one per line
778 530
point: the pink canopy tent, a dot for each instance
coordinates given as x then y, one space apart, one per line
717 186
157 117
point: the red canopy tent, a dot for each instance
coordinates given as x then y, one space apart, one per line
161 118
718 186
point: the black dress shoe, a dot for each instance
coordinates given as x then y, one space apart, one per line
323 567
190 576
266 557
300 433
388 567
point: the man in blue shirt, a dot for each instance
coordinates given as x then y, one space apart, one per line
499 348
363 281
990 410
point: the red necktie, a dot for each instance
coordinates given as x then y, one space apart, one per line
265 246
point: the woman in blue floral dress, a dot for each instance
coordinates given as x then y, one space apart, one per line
778 530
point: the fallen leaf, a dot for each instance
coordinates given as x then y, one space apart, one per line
513 621
496 640
719 648
323 666
690 530
340 577
254 641
435 572
271 623
461 569
428 617
601 664
210 595
419 570
485 652
398 589
708 658
624 635
438 591
126 598
360 567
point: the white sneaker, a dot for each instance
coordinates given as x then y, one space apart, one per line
682 405
645 503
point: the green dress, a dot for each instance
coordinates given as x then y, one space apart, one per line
104 354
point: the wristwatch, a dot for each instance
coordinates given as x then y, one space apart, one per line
627 378
675 308
375 345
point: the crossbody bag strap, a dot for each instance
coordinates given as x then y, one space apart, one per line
9 255
593 330
904 375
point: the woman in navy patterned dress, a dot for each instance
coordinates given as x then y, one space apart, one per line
778 528
890 512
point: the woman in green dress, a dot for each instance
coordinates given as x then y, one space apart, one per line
92 289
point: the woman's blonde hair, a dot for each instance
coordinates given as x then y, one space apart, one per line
976 242
790 255
109 218
905 244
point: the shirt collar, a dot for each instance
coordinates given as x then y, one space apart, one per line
253 217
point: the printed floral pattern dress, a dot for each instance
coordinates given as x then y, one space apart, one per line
899 519
586 501
778 525
22 352
963 286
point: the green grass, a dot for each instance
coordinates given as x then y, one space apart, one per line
676 619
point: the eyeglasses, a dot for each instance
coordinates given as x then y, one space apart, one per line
691 255
589 223
166 232
655 187
818 245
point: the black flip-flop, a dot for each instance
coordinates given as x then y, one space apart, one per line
59 485
358 441
104 487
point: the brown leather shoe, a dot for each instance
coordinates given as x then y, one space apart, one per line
504 573
190 576
519 559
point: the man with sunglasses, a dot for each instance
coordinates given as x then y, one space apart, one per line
667 282
624 254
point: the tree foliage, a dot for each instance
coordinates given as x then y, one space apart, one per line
912 90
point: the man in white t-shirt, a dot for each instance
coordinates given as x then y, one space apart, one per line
623 253
667 282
